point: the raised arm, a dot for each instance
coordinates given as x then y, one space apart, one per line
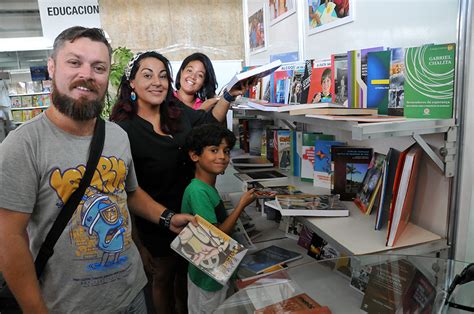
141 204
220 109
16 261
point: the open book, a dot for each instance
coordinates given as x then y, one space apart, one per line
209 249
254 73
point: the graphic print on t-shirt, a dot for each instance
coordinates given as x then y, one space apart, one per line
99 229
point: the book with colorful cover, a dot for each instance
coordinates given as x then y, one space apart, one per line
349 165
366 195
396 91
322 162
307 150
311 205
306 79
357 77
209 249
254 74
260 261
378 80
282 149
390 166
300 303
296 85
339 78
270 191
321 89
406 194
280 80
429 81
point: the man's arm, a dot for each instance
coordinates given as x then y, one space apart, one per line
16 261
141 204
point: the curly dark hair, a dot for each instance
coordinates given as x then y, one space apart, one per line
208 135
125 108
208 89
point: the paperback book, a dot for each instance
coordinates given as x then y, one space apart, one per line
254 74
209 249
339 78
260 261
300 303
366 195
429 95
396 91
378 80
311 205
269 192
307 151
349 165
322 162
321 89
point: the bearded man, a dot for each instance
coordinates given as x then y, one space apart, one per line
96 267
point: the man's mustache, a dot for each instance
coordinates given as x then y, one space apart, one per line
90 85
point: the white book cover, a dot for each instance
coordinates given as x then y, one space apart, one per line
254 73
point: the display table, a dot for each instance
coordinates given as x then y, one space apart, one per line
329 284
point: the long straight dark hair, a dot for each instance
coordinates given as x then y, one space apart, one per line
208 89
125 108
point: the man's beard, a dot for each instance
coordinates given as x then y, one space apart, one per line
80 109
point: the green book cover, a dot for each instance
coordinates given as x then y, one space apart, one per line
429 81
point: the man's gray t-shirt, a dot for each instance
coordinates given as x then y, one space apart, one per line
96 266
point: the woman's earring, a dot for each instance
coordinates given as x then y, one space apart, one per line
133 96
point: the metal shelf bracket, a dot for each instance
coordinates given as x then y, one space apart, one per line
448 151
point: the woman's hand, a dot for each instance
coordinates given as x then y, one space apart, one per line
209 103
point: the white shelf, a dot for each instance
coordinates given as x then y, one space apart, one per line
365 131
30 94
29 108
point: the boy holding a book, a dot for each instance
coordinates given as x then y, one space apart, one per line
209 148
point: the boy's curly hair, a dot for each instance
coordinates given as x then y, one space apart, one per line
208 135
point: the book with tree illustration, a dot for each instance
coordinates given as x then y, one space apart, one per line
349 165
366 195
209 249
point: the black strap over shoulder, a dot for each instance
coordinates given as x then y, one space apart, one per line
95 150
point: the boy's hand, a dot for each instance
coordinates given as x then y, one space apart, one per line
179 221
247 198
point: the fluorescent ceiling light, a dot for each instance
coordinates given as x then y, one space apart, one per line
25 44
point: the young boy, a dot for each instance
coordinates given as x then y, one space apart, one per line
209 148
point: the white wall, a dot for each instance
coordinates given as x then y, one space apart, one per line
388 23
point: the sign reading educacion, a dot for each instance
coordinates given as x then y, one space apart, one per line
57 15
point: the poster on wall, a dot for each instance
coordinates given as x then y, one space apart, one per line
326 14
280 9
257 39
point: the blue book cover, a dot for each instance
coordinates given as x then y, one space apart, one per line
322 162
378 80
259 261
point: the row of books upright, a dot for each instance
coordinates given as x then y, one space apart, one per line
40 100
376 182
416 82
25 115
30 87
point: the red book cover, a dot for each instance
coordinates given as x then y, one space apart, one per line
320 89
396 183
401 219
300 303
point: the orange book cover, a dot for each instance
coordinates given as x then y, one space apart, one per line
406 209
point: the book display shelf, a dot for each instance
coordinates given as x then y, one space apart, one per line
355 235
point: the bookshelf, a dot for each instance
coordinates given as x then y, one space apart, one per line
28 105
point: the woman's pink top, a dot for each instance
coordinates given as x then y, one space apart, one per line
197 102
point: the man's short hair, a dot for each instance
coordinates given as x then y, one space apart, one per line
75 32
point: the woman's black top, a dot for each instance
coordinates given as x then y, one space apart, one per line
163 170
